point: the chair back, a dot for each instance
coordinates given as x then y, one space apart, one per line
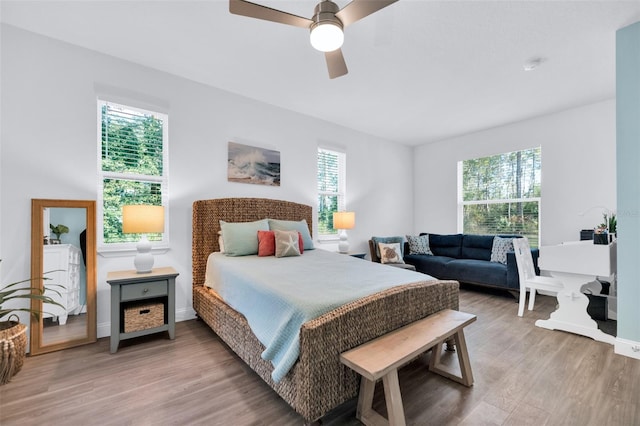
524 259
373 252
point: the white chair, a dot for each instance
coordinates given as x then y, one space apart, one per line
528 278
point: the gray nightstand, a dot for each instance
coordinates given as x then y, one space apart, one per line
130 289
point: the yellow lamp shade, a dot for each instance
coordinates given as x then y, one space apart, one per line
344 220
142 219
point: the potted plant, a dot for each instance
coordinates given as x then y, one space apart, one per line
612 223
13 337
58 230
605 233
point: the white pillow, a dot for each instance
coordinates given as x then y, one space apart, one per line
390 253
500 248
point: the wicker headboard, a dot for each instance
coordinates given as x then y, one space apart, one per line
207 215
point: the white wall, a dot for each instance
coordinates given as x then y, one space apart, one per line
578 170
49 150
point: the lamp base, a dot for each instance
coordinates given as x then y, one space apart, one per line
343 245
144 259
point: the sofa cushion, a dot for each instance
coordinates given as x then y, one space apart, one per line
477 246
477 272
445 245
435 266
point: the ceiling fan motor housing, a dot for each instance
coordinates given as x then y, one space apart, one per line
325 13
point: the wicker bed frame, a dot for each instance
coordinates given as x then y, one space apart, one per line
318 382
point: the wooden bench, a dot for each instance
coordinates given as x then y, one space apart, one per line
381 358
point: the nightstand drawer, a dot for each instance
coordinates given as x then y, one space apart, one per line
144 290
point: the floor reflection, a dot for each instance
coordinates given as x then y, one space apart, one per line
75 328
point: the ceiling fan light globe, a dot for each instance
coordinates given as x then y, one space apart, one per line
326 37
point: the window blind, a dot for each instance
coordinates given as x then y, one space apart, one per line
331 189
132 141
500 194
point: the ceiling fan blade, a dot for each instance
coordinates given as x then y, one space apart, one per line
358 9
252 10
335 63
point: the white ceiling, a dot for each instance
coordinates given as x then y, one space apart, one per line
419 71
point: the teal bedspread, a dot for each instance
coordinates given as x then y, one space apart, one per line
278 295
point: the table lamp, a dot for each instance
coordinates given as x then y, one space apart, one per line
343 221
143 219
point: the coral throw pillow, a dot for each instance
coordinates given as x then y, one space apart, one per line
266 243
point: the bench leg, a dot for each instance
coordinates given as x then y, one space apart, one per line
463 359
395 410
466 377
365 400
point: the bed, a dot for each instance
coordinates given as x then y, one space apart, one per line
317 382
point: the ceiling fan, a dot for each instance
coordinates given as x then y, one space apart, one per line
326 25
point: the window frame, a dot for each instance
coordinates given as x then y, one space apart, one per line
157 245
462 203
340 193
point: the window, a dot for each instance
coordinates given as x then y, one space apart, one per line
501 194
132 146
331 190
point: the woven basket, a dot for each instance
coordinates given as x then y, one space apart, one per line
13 348
143 316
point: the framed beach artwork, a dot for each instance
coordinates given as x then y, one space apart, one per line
250 164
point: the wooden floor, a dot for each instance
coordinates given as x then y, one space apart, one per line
524 375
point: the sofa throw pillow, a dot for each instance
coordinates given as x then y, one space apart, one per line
390 253
287 243
419 244
241 238
294 225
388 240
500 248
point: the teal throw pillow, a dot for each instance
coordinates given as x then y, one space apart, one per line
294 225
241 238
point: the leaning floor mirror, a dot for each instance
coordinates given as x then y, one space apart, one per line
63 260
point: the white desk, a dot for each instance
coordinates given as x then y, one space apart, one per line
577 264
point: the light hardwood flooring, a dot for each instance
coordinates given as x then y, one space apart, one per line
524 375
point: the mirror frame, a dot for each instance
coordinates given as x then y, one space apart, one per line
37 262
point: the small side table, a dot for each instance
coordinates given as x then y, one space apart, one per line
130 286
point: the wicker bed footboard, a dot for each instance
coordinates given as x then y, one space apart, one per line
318 382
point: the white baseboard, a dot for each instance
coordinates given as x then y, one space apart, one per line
627 348
104 329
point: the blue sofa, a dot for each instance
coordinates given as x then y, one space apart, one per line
467 258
